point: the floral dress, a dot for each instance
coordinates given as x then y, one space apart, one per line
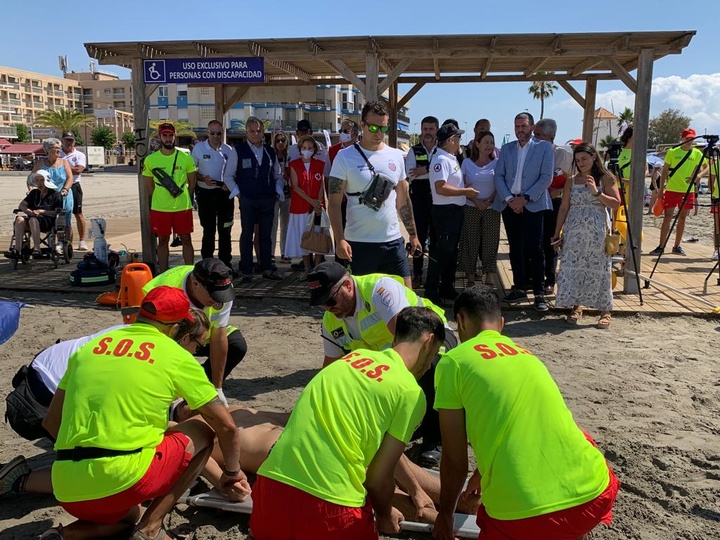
584 278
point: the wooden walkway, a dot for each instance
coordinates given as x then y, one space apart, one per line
685 274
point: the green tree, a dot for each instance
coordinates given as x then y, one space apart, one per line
605 142
103 136
542 90
79 139
64 119
22 133
128 140
666 127
182 128
627 117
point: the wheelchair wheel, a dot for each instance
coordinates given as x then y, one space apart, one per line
67 252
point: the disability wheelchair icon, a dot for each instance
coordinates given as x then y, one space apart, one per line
54 244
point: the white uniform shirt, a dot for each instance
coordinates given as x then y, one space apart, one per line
220 164
75 158
51 364
365 224
445 166
517 181
387 303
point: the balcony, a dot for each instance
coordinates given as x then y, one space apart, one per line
38 104
6 108
119 95
16 118
8 131
10 85
13 101
36 89
59 93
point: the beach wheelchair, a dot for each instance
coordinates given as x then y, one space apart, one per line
54 244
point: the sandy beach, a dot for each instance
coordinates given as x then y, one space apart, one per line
648 389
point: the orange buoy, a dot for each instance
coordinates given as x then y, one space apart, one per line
132 280
108 299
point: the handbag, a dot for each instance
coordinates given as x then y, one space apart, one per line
315 239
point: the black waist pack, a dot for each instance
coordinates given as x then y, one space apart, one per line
23 412
167 182
92 271
377 192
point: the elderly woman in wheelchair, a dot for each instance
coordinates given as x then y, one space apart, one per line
37 213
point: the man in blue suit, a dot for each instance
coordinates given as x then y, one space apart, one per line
522 177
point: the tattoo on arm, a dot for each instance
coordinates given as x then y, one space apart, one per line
336 185
406 214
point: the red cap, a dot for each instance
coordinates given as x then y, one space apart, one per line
575 142
166 128
166 305
688 133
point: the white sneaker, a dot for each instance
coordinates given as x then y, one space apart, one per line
82 246
58 249
715 255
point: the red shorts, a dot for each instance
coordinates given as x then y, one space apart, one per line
568 524
167 466
165 223
715 208
282 512
673 199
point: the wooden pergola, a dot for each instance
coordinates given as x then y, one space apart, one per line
378 64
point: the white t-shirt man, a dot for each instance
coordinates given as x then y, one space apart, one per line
445 166
51 364
76 159
220 164
365 224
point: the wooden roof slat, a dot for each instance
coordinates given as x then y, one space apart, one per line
492 56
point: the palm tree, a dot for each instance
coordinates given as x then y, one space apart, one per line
64 119
182 128
542 90
605 143
626 117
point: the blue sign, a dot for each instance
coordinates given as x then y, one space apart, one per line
204 70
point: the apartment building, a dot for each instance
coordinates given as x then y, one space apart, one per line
25 94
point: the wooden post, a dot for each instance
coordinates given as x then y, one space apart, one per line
589 114
393 134
638 166
371 77
220 103
142 148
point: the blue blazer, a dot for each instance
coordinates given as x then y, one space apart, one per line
536 175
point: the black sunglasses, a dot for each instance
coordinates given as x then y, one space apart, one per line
198 343
344 131
215 132
372 128
332 301
280 140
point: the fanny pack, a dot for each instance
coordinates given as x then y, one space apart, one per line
377 191
167 180
80 453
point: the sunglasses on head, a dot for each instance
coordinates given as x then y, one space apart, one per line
372 128
332 301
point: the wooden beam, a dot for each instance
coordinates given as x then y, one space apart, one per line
535 65
436 68
589 112
398 70
641 123
204 50
150 90
343 69
142 148
573 93
409 95
236 95
622 74
284 65
220 102
584 66
393 110
371 77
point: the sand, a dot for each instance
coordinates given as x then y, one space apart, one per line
648 390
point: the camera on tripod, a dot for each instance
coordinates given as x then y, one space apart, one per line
614 149
712 140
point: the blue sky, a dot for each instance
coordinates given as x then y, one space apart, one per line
690 82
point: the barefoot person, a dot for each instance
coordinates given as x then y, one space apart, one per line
539 474
109 417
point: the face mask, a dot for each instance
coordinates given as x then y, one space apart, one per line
307 154
345 137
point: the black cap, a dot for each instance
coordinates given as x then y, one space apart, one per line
68 135
216 277
447 131
304 125
322 279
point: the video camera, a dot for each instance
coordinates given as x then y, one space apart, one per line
614 149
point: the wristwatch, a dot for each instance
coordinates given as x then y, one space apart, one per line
527 197
597 193
231 474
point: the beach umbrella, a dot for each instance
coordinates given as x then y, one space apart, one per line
655 161
9 319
